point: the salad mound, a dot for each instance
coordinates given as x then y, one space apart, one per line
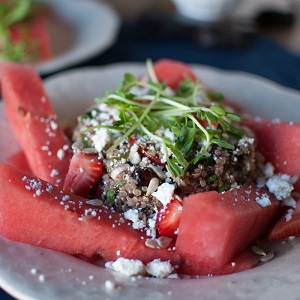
162 176
158 144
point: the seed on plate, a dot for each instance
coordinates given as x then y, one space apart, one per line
267 257
164 241
95 202
151 243
258 250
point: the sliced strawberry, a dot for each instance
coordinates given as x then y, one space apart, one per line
168 218
84 171
288 225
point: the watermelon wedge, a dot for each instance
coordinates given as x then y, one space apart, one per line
9 145
172 72
35 212
288 225
279 143
19 161
241 262
214 227
34 123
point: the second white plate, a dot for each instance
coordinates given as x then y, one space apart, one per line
83 29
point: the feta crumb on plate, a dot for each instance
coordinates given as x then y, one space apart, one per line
158 268
127 266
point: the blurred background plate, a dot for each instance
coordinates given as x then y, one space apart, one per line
79 30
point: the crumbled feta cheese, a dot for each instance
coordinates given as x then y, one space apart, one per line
164 193
263 201
134 156
101 138
158 268
110 285
289 215
60 154
169 134
279 187
245 140
54 173
133 215
127 266
53 125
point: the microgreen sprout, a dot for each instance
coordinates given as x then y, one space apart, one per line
195 116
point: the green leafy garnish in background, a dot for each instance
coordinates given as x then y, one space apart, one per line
12 12
184 113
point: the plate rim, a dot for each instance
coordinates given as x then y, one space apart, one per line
99 45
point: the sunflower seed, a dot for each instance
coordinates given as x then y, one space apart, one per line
267 257
151 243
258 250
164 241
153 185
89 151
77 145
95 202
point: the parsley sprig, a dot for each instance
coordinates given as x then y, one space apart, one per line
191 114
12 12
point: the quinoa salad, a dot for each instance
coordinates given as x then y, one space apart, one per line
164 177
159 144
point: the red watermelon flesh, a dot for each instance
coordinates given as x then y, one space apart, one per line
279 142
8 144
34 123
241 262
19 161
172 72
35 212
215 227
35 32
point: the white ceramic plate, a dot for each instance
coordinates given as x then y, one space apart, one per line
81 30
59 276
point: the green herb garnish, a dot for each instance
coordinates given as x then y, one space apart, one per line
189 114
12 12
110 195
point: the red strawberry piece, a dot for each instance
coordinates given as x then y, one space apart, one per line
288 225
84 172
168 218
